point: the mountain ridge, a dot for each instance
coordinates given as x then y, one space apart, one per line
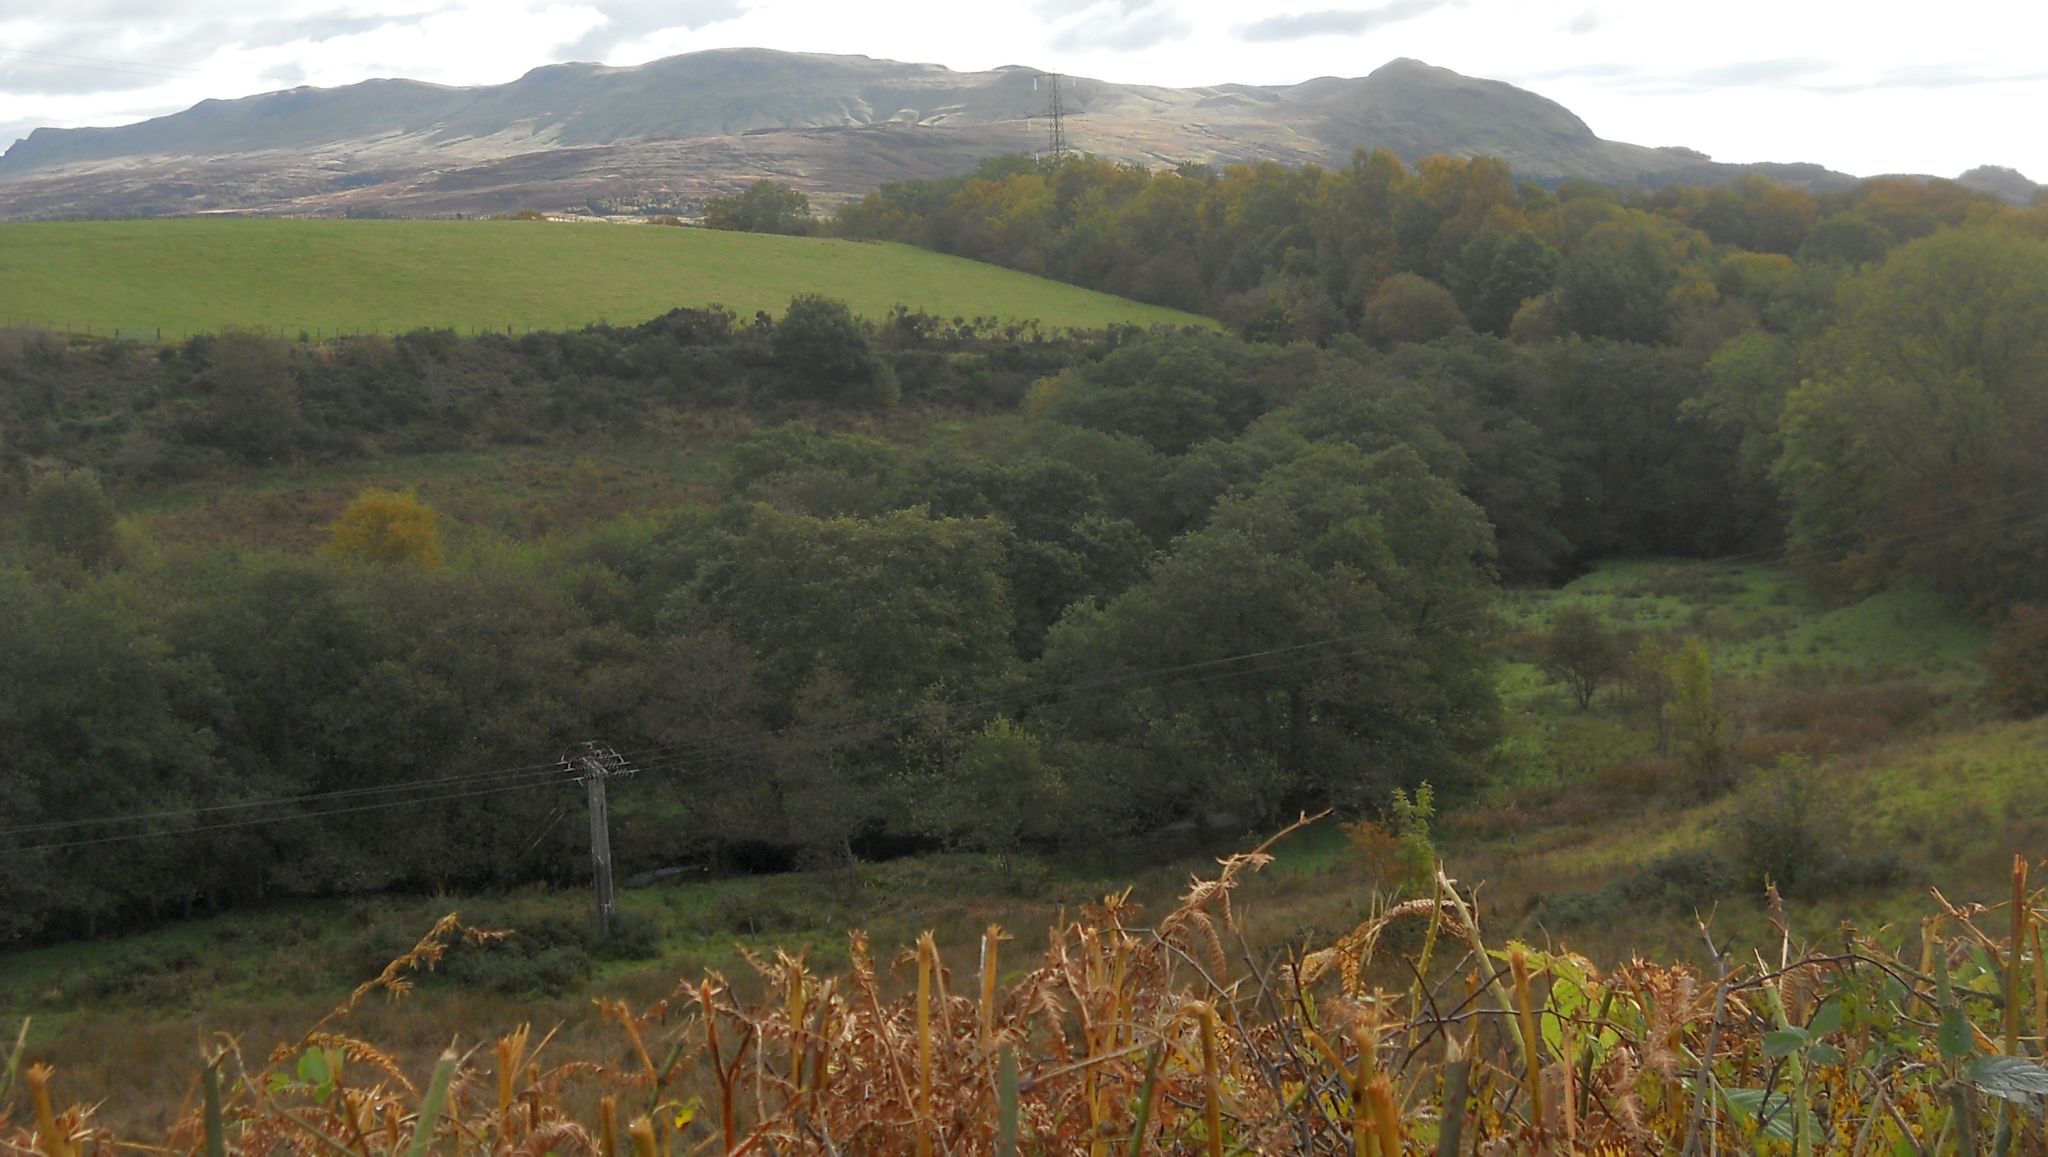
669 132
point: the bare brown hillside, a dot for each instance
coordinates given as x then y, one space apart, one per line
661 136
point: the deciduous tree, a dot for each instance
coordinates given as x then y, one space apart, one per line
389 528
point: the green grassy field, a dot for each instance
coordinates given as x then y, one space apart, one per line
325 277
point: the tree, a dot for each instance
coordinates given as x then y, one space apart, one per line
824 352
2018 662
1582 653
766 206
1000 794
1747 381
1357 586
252 395
892 604
68 513
100 720
1647 690
1496 274
1701 726
1847 239
1615 284
1923 417
1637 477
1407 308
388 528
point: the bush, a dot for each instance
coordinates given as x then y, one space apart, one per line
1583 653
68 513
1783 830
2018 661
520 967
754 912
1678 884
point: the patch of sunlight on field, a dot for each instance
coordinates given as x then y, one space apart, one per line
1994 773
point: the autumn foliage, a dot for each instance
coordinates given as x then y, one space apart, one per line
389 528
1173 1036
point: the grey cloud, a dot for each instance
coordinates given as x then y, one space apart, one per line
1123 26
1607 71
1947 76
1753 72
1801 74
1060 9
632 19
23 75
1583 23
1341 21
1634 79
73 64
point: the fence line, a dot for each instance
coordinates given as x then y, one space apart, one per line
161 334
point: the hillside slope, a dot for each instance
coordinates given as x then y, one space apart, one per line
677 129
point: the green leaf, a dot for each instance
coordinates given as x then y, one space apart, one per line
1827 1020
1773 1109
432 1104
1786 1041
1823 1053
2014 1079
1954 1037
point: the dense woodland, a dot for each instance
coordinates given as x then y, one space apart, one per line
1160 579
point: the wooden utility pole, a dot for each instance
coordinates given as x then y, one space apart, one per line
596 764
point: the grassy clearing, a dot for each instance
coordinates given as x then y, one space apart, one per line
1883 697
521 493
187 276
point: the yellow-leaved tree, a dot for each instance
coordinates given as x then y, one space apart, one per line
388 527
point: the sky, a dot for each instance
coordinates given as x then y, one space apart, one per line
1863 86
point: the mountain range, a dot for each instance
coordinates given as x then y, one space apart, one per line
661 136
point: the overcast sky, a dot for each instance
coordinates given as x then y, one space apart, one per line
1865 86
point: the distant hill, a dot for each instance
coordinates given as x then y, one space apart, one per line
2008 185
663 135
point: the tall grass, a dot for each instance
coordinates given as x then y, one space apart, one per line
1130 1036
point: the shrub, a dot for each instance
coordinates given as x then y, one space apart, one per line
1681 883
388 528
1648 775
1582 653
1783 830
68 513
521 967
2018 661
1398 851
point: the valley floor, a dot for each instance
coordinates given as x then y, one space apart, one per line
1866 769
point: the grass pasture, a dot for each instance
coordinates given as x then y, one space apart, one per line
196 275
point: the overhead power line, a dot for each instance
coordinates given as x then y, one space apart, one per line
101 64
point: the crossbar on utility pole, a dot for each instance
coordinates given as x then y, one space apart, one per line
597 764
